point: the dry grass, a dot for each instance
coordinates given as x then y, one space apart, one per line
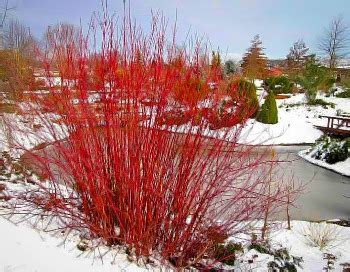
322 235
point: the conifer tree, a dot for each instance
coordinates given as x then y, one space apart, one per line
268 113
254 63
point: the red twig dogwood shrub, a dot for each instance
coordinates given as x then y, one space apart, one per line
118 170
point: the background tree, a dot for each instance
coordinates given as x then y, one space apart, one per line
216 65
60 43
3 17
314 77
231 67
296 58
254 64
335 41
215 59
17 60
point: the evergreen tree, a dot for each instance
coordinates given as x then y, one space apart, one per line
268 113
314 77
296 58
254 63
230 67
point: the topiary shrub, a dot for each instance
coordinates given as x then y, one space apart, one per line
268 113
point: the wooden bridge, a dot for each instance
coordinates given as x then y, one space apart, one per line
336 125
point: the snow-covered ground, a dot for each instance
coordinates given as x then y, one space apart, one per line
297 242
26 249
295 122
342 167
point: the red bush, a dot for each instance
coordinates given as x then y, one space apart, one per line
119 175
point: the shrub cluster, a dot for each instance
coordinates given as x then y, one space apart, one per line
330 150
116 171
279 85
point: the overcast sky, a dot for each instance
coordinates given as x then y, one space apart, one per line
227 24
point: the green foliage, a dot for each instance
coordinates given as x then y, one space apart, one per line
268 113
260 248
279 84
330 150
320 102
226 253
314 77
347 142
345 94
240 89
230 67
283 261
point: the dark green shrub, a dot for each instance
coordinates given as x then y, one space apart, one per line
320 102
283 261
268 113
345 94
347 142
330 150
279 85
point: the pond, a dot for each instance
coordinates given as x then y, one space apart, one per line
326 194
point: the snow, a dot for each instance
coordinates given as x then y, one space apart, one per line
296 123
296 241
339 167
24 249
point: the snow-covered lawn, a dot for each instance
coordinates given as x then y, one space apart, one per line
296 123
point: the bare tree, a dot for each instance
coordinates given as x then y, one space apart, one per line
60 43
335 41
18 37
17 59
296 57
5 12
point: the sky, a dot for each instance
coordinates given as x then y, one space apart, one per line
228 25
